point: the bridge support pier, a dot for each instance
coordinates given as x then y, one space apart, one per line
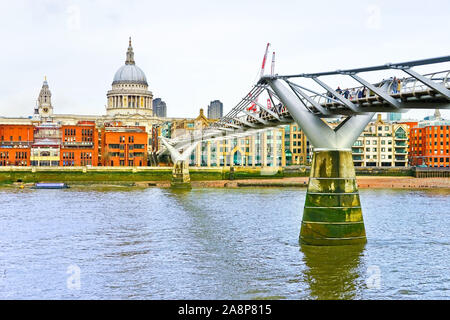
180 175
332 214
180 172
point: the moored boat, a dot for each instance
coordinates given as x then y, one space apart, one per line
50 185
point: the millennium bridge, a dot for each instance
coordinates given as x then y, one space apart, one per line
332 213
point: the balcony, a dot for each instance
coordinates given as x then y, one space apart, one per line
74 144
15 144
401 137
400 156
50 135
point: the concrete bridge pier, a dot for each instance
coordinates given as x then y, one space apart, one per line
180 175
180 172
332 213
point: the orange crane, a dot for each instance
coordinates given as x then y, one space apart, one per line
263 66
264 60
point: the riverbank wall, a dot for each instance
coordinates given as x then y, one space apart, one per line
295 176
135 174
364 182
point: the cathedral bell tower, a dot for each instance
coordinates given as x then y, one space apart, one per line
45 108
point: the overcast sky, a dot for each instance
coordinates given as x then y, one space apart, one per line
193 52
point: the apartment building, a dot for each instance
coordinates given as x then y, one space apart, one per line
382 144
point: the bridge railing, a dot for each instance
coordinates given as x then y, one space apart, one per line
409 86
414 86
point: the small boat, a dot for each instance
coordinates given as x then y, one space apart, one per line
50 185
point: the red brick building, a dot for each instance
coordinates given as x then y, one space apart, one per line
82 144
79 144
15 143
429 144
124 145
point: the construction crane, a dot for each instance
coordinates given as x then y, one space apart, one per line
272 68
263 66
264 60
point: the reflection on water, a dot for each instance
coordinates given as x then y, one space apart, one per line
151 243
334 272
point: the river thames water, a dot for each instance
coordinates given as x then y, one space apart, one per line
129 243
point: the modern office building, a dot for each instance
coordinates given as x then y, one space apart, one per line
215 109
394 116
159 108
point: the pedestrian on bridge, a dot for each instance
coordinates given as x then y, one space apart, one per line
394 85
399 85
346 93
329 95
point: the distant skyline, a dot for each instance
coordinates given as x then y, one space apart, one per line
199 51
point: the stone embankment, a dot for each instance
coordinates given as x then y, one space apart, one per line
213 177
364 182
